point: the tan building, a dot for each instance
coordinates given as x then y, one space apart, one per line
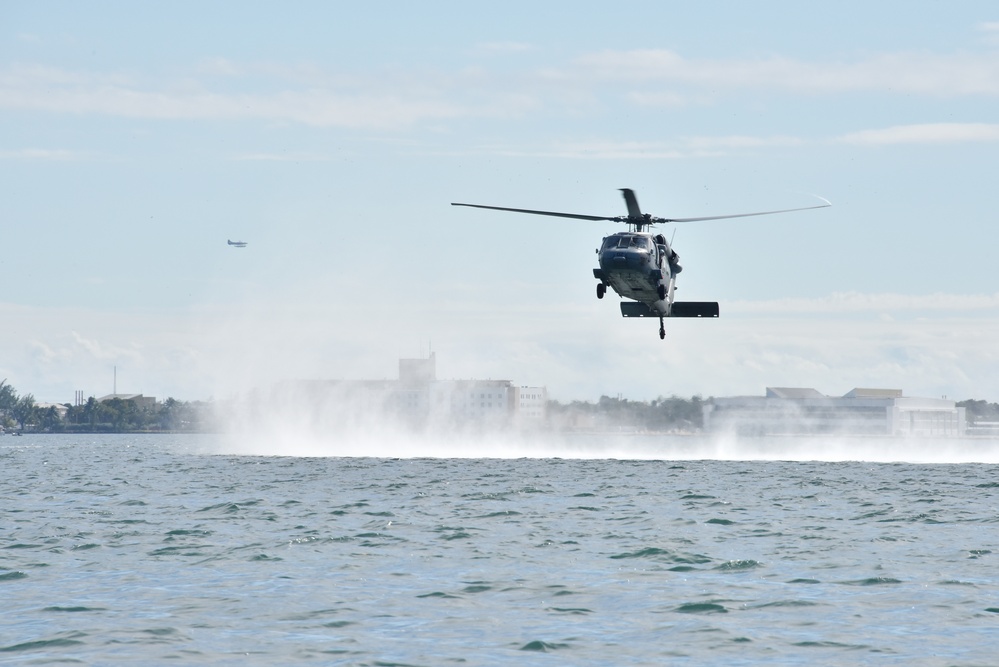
143 402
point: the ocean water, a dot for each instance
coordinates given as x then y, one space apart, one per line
190 550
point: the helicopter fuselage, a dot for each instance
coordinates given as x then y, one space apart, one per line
639 266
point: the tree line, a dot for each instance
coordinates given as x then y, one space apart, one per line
115 415
979 411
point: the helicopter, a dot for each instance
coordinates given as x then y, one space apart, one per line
642 266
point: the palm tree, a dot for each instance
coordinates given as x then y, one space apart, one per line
25 411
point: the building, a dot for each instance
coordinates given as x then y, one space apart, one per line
422 398
143 402
60 408
417 400
531 405
467 402
803 411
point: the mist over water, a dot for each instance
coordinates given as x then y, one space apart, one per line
639 447
392 419
348 429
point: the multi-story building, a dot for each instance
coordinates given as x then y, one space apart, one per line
493 403
417 400
531 405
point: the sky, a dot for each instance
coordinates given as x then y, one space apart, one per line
136 138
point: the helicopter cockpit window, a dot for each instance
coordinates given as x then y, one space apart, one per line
623 241
610 242
639 242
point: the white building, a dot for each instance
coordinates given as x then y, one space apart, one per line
797 411
531 405
490 402
420 400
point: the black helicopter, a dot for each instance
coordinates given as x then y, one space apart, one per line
641 266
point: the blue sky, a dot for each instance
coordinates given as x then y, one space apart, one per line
135 139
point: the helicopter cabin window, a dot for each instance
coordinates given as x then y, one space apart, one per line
639 242
623 241
610 242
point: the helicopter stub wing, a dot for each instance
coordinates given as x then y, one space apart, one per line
694 309
679 309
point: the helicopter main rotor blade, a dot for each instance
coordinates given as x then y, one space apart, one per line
631 201
552 213
743 215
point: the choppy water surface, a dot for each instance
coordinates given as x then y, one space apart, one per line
152 550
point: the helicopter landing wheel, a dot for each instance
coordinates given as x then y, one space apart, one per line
662 329
601 289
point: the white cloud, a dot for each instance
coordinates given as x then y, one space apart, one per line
281 157
319 108
598 149
48 89
855 302
20 77
991 30
309 94
926 133
221 67
504 47
920 73
665 99
54 154
707 146
739 142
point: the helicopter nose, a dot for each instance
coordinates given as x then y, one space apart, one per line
622 259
